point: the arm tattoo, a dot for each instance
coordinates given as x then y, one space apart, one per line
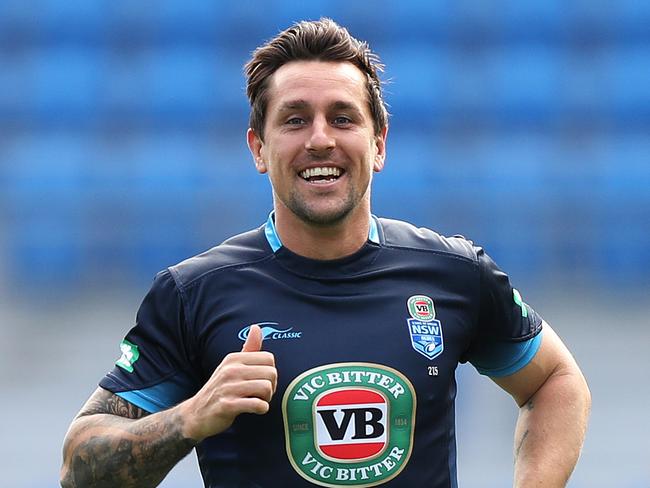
529 405
521 444
116 443
103 401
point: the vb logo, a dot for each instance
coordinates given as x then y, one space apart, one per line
421 308
349 424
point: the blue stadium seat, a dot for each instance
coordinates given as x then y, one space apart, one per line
630 18
179 82
67 83
72 19
525 82
629 75
15 92
178 16
45 201
418 82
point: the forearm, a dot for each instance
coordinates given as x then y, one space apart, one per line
104 450
550 432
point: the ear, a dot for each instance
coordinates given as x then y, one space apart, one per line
256 147
380 144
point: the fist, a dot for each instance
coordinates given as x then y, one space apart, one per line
244 382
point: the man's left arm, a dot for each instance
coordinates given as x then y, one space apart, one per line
554 403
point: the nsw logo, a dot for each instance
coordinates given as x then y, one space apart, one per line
271 331
425 331
426 337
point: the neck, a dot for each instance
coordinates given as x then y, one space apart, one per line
323 242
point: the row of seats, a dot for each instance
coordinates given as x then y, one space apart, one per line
511 84
538 202
421 19
520 124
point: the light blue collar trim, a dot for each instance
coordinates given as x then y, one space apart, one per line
373 233
271 234
274 239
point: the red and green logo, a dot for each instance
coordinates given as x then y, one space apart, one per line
421 308
349 424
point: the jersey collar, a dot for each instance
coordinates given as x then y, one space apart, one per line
274 239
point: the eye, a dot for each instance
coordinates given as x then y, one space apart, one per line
295 121
342 120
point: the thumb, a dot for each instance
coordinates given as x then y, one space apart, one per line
254 340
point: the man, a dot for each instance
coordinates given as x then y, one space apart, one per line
364 321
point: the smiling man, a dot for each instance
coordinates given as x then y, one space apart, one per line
320 147
342 373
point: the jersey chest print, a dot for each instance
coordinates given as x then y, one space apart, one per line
349 424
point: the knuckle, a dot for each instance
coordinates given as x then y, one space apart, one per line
228 358
261 407
267 391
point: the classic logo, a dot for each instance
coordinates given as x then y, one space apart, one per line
130 355
424 329
270 330
349 424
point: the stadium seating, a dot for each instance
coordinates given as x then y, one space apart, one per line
122 129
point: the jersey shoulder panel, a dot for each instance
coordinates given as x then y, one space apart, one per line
400 234
239 250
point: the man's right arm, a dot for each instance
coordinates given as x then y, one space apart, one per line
114 443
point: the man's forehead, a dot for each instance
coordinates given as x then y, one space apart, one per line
292 81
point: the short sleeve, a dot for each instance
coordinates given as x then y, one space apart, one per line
154 371
508 334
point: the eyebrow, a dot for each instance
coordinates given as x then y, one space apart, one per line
341 105
294 105
303 104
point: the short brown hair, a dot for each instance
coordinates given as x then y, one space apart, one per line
321 40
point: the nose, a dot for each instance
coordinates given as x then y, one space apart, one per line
320 138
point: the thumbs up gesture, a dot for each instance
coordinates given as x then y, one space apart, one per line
253 340
244 382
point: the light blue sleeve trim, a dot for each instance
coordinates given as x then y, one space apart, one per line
271 234
274 241
158 397
140 399
515 355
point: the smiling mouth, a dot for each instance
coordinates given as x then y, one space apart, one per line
322 174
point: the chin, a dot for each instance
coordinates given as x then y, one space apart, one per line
324 217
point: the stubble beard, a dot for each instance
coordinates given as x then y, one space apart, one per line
312 215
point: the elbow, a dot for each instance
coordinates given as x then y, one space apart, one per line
65 480
572 391
586 396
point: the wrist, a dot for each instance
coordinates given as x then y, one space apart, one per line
189 427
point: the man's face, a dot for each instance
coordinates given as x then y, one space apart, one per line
319 145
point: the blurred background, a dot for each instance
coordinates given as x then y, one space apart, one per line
523 125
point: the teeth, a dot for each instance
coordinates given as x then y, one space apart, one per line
321 171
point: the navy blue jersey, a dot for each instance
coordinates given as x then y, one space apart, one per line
366 348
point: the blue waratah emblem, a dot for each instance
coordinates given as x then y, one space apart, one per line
426 337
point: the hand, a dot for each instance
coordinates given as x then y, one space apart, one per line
244 382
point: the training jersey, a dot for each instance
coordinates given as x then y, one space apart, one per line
366 348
